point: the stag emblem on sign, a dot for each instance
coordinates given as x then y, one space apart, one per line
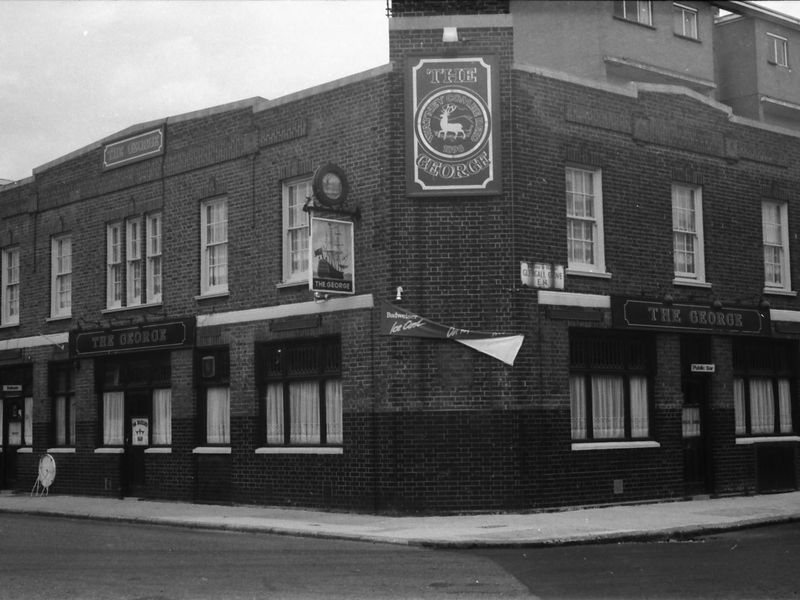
454 127
452 123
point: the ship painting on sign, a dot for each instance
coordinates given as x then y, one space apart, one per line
332 259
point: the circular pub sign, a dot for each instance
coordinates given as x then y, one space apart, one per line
452 123
330 185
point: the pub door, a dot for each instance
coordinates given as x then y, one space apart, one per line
11 438
137 439
695 350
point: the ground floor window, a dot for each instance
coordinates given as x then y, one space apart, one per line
762 387
302 392
214 396
64 404
610 380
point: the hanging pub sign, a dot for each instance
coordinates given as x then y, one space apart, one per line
396 321
453 126
640 314
331 256
134 148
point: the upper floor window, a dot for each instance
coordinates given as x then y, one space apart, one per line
153 236
214 246
685 21
637 11
133 261
687 233
114 265
61 276
295 230
778 50
774 225
126 268
584 220
10 282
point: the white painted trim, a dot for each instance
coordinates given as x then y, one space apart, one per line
212 450
109 450
300 450
439 22
791 316
580 273
614 445
61 450
25 450
573 299
773 439
158 450
266 313
55 339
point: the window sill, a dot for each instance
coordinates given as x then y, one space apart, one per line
779 292
58 318
582 273
25 450
61 450
109 450
158 450
212 295
9 325
691 283
134 307
688 38
619 445
770 439
212 450
633 22
300 450
288 284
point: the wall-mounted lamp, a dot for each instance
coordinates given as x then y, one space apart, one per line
450 35
399 294
320 297
716 305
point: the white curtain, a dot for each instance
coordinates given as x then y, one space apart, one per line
738 406
607 406
113 415
577 398
28 421
762 406
639 407
218 411
785 405
162 417
333 410
275 433
691 421
304 412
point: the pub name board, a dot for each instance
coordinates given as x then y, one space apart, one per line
153 336
452 126
640 314
132 149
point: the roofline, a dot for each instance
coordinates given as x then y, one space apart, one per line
750 9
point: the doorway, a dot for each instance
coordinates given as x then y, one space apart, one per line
138 420
697 371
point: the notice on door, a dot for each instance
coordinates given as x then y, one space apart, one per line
140 431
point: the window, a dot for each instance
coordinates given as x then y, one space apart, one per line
778 50
774 224
214 393
636 11
295 230
685 21
584 220
301 392
114 265
61 277
214 246
687 233
63 394
609 387
133 261
10 279
762 387
153 233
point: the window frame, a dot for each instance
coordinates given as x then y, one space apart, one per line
134 263
683 10
63 389
784 263
775 57
598 236
154 262
10 312
292 203
323 369
60 274
114 265
207 288
621 11
218 379
698 276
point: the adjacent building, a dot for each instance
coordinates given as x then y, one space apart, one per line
544 257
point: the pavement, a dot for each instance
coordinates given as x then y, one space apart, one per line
637 522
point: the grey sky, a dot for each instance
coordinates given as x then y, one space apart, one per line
73 72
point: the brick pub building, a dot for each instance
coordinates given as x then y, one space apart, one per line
553 261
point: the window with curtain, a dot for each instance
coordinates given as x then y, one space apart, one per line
763 387
113 418
610 380
64 414
162 417
302 392
218 415
295 230
214 412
